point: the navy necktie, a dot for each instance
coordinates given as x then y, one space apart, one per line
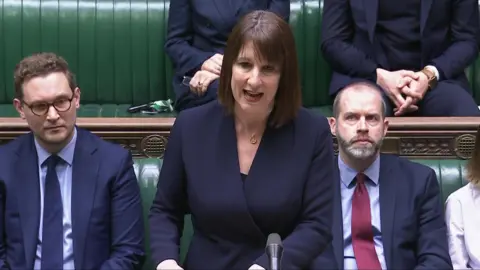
52 236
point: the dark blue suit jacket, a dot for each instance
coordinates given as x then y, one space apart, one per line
107 222
198 29
414 235
449 30
287 191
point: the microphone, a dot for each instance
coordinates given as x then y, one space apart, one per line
274 250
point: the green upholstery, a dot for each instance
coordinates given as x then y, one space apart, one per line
449 172
116 49
90 110
305 20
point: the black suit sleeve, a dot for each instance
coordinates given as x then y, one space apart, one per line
432 245
312 234
326 260
127 228
169 206
337 48
3 255
185 57
281 8
463 51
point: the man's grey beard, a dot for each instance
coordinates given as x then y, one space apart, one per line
358 152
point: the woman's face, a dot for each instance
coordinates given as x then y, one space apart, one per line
254 82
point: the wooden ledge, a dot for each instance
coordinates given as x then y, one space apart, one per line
433 123
100 124
113 124
413 137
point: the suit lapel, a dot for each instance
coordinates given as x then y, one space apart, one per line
371 12
387 184
28 192
233 186
84 177
337 228
227 9
425 11
245 6
267 170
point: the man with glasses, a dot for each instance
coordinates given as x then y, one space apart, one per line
68 200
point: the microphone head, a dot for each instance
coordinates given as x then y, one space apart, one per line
274 239
274 251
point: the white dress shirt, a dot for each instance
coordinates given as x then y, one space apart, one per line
463 225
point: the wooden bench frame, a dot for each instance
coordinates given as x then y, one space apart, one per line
419 137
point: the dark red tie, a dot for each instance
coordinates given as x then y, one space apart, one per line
362 232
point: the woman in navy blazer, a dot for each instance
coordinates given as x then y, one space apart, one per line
252 163
196 37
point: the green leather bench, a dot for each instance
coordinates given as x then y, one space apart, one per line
450 175
116 49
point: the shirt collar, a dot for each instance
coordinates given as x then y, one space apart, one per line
347 174
66 153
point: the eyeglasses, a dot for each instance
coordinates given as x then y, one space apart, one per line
41 108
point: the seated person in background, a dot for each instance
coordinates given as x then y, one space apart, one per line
463 217
68 200
196 37
416 51
252 163
387 210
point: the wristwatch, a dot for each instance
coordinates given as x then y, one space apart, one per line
432 78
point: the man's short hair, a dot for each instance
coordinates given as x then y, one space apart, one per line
357 86
38 65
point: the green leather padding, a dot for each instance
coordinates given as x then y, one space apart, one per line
148 171
116 50
92 110
114 47
450 175
305 20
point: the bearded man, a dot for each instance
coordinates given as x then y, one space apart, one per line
388 213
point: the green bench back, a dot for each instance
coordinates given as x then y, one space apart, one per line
116 49
450 175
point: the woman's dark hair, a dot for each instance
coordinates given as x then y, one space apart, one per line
273 42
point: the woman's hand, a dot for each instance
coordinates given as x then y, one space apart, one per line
213 64
201 80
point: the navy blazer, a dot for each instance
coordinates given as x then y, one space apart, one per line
198 29
287 191
449 37
414 234
107 224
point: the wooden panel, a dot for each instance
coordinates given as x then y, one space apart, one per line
418 137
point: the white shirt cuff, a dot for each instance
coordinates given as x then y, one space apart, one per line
435 70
